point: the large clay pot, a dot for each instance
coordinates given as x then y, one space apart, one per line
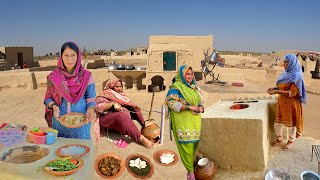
151 132
205 169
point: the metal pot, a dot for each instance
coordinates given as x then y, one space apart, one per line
130 67
141 68
121 67
113 66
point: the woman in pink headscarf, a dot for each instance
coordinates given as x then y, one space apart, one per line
117 111
70 88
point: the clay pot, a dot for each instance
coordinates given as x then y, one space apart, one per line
151 132
205 169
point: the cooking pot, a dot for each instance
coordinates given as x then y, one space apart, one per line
113 66
130 67
141 68
121 67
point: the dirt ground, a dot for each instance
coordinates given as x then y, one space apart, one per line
26 107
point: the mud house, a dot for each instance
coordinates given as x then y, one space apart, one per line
15 55
167 53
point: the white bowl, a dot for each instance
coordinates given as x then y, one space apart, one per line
277 175
309 175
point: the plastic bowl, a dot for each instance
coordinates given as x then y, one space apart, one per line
277 175
309 175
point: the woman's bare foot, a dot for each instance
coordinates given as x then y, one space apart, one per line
277 142
287 146
146 142
190 176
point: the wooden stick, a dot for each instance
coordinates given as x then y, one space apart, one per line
162 124
151 106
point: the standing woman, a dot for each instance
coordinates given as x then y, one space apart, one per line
291 90
185 102
70 88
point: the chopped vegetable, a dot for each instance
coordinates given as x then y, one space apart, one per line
61 164
73 161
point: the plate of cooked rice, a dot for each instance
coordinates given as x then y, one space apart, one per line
73 120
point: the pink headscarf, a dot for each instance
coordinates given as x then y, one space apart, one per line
112 95
69 86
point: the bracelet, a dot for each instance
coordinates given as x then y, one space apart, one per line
51 105
187 107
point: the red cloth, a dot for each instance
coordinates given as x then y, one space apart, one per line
122 122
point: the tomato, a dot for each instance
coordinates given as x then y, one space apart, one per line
73 161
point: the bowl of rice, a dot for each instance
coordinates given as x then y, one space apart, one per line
74 150
73 120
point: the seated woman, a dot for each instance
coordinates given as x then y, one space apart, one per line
70 88
117 111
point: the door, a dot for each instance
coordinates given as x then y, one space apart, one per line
169 61
20 60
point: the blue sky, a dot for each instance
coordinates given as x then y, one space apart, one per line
239 25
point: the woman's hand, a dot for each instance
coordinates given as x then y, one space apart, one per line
273 91
201 109
194 108
91 113
56 112
137 107
117 107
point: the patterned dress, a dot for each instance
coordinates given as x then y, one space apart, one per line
185 124
81 106
289 111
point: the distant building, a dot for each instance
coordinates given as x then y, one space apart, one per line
167 53
9 56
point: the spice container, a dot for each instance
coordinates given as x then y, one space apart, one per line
50 138
39 139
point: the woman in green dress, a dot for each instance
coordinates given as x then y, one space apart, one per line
185 103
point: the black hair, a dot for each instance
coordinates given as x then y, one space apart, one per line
70 45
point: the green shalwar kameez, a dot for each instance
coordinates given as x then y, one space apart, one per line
185 124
